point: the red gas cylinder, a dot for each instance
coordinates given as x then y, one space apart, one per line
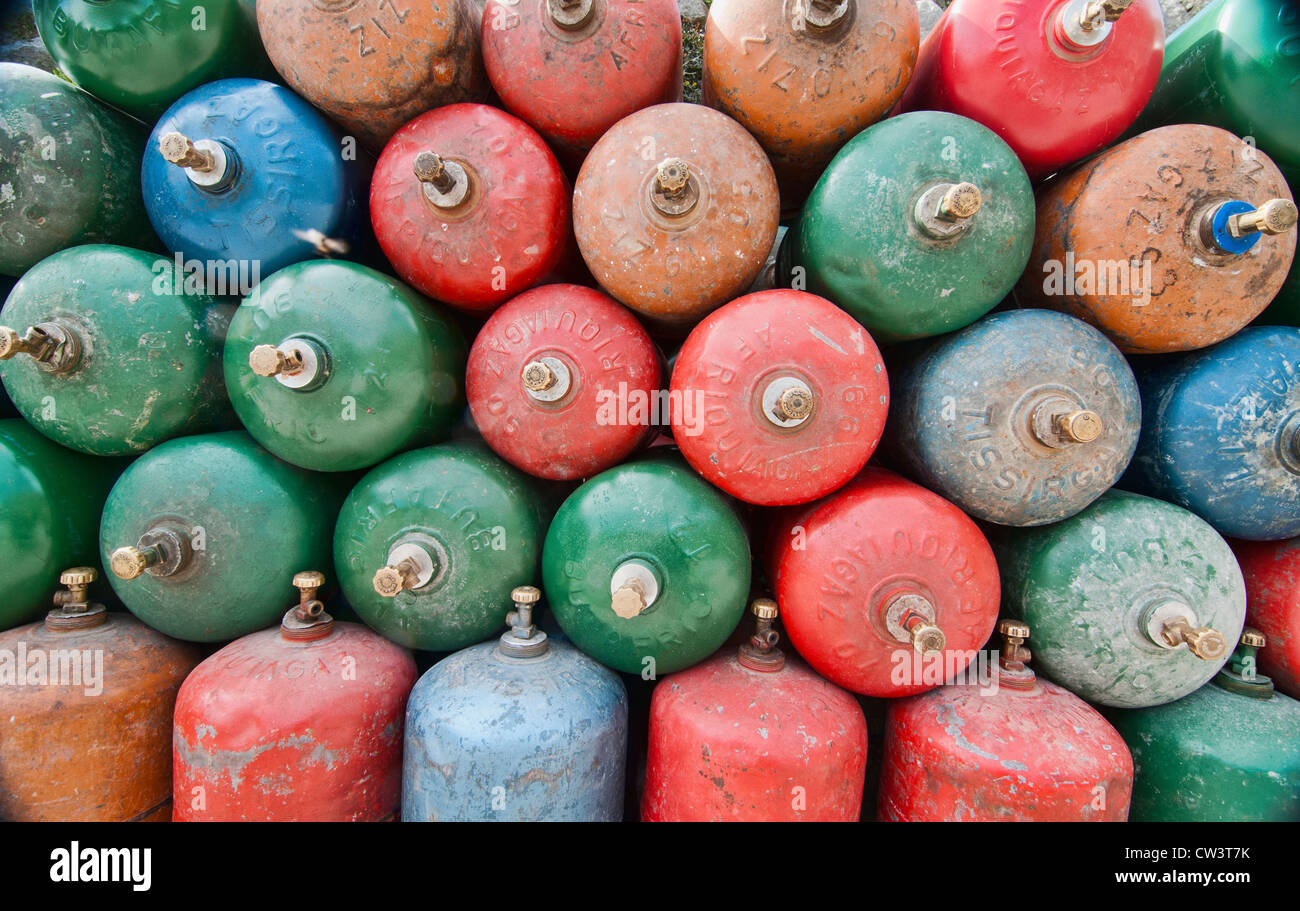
300 723
779 397
1013 749
470 206
1056 79
887 588
574 68
1272 572
751 736
563 382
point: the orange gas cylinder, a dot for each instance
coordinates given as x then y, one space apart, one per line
1170 241
299 723
752 736
86 703
372 66
675 211
807 78
887 588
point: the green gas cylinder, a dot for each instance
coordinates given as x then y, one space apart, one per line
334 366
426 542
646 567
69 170
104 353
198 533
920 225
1133 601
50 502
1229 752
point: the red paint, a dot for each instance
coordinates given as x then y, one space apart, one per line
992 61
727 362
276 730
963 753
512 231
1272 571
614 371
572 86
728 743
837 563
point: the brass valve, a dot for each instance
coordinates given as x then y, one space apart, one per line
538 377
131 562
629 599
324 245
524 639
915 615
268 360
1014 653
825 14
180 151
430 168
961 200
72 606
570 14
34 343
760 652
1081 426
1273 217
307 619
393 580
1204 642
794 404
446 184
1099 11
309 583
674 190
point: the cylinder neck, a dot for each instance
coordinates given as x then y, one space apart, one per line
633 588
946 210
208 164
1083 25
788 401
446 184
524 640
675 189
546 379
1171 624
73 609
413 563
54 345
307 621
297 363
760 652
1240 674
571 15
820 17
1059 422
911 618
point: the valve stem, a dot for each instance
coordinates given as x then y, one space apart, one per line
35 342
1099 11
268 360
760 652
1204 642
393 580
430 168
180 151
1273 217
131 562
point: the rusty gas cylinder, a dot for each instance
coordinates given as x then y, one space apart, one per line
779 397
887 589
805 78
470 206
1272 573
1170 241
372 66
573 68
753 736
300 723
86 703
1014 748
563 382
675 211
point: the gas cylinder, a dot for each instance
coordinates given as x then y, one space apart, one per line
920 225
198 530
103 357
778 397
805 79
1229 752
141 56
374 66
297 724
1133 601
425 542
71 168
1057 79
86 703
471 206
751 736
1272 573
1170 241
333 366
523 729
675 209
50 502
646 567
1014 749
571 69
564 383
245 177
1024 418
1221 434
887 589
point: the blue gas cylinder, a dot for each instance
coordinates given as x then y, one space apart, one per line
523 729
1221 433
1022 418
244 170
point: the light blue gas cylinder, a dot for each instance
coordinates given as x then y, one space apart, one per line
522 729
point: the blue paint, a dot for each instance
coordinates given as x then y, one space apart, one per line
290 174
490 737
1221 433
1223 238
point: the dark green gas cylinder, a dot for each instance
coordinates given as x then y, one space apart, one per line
105 353
427 541
646 567
69 170
334 366
141 55
1133 601
1229 752
50 502
919 226
199 533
